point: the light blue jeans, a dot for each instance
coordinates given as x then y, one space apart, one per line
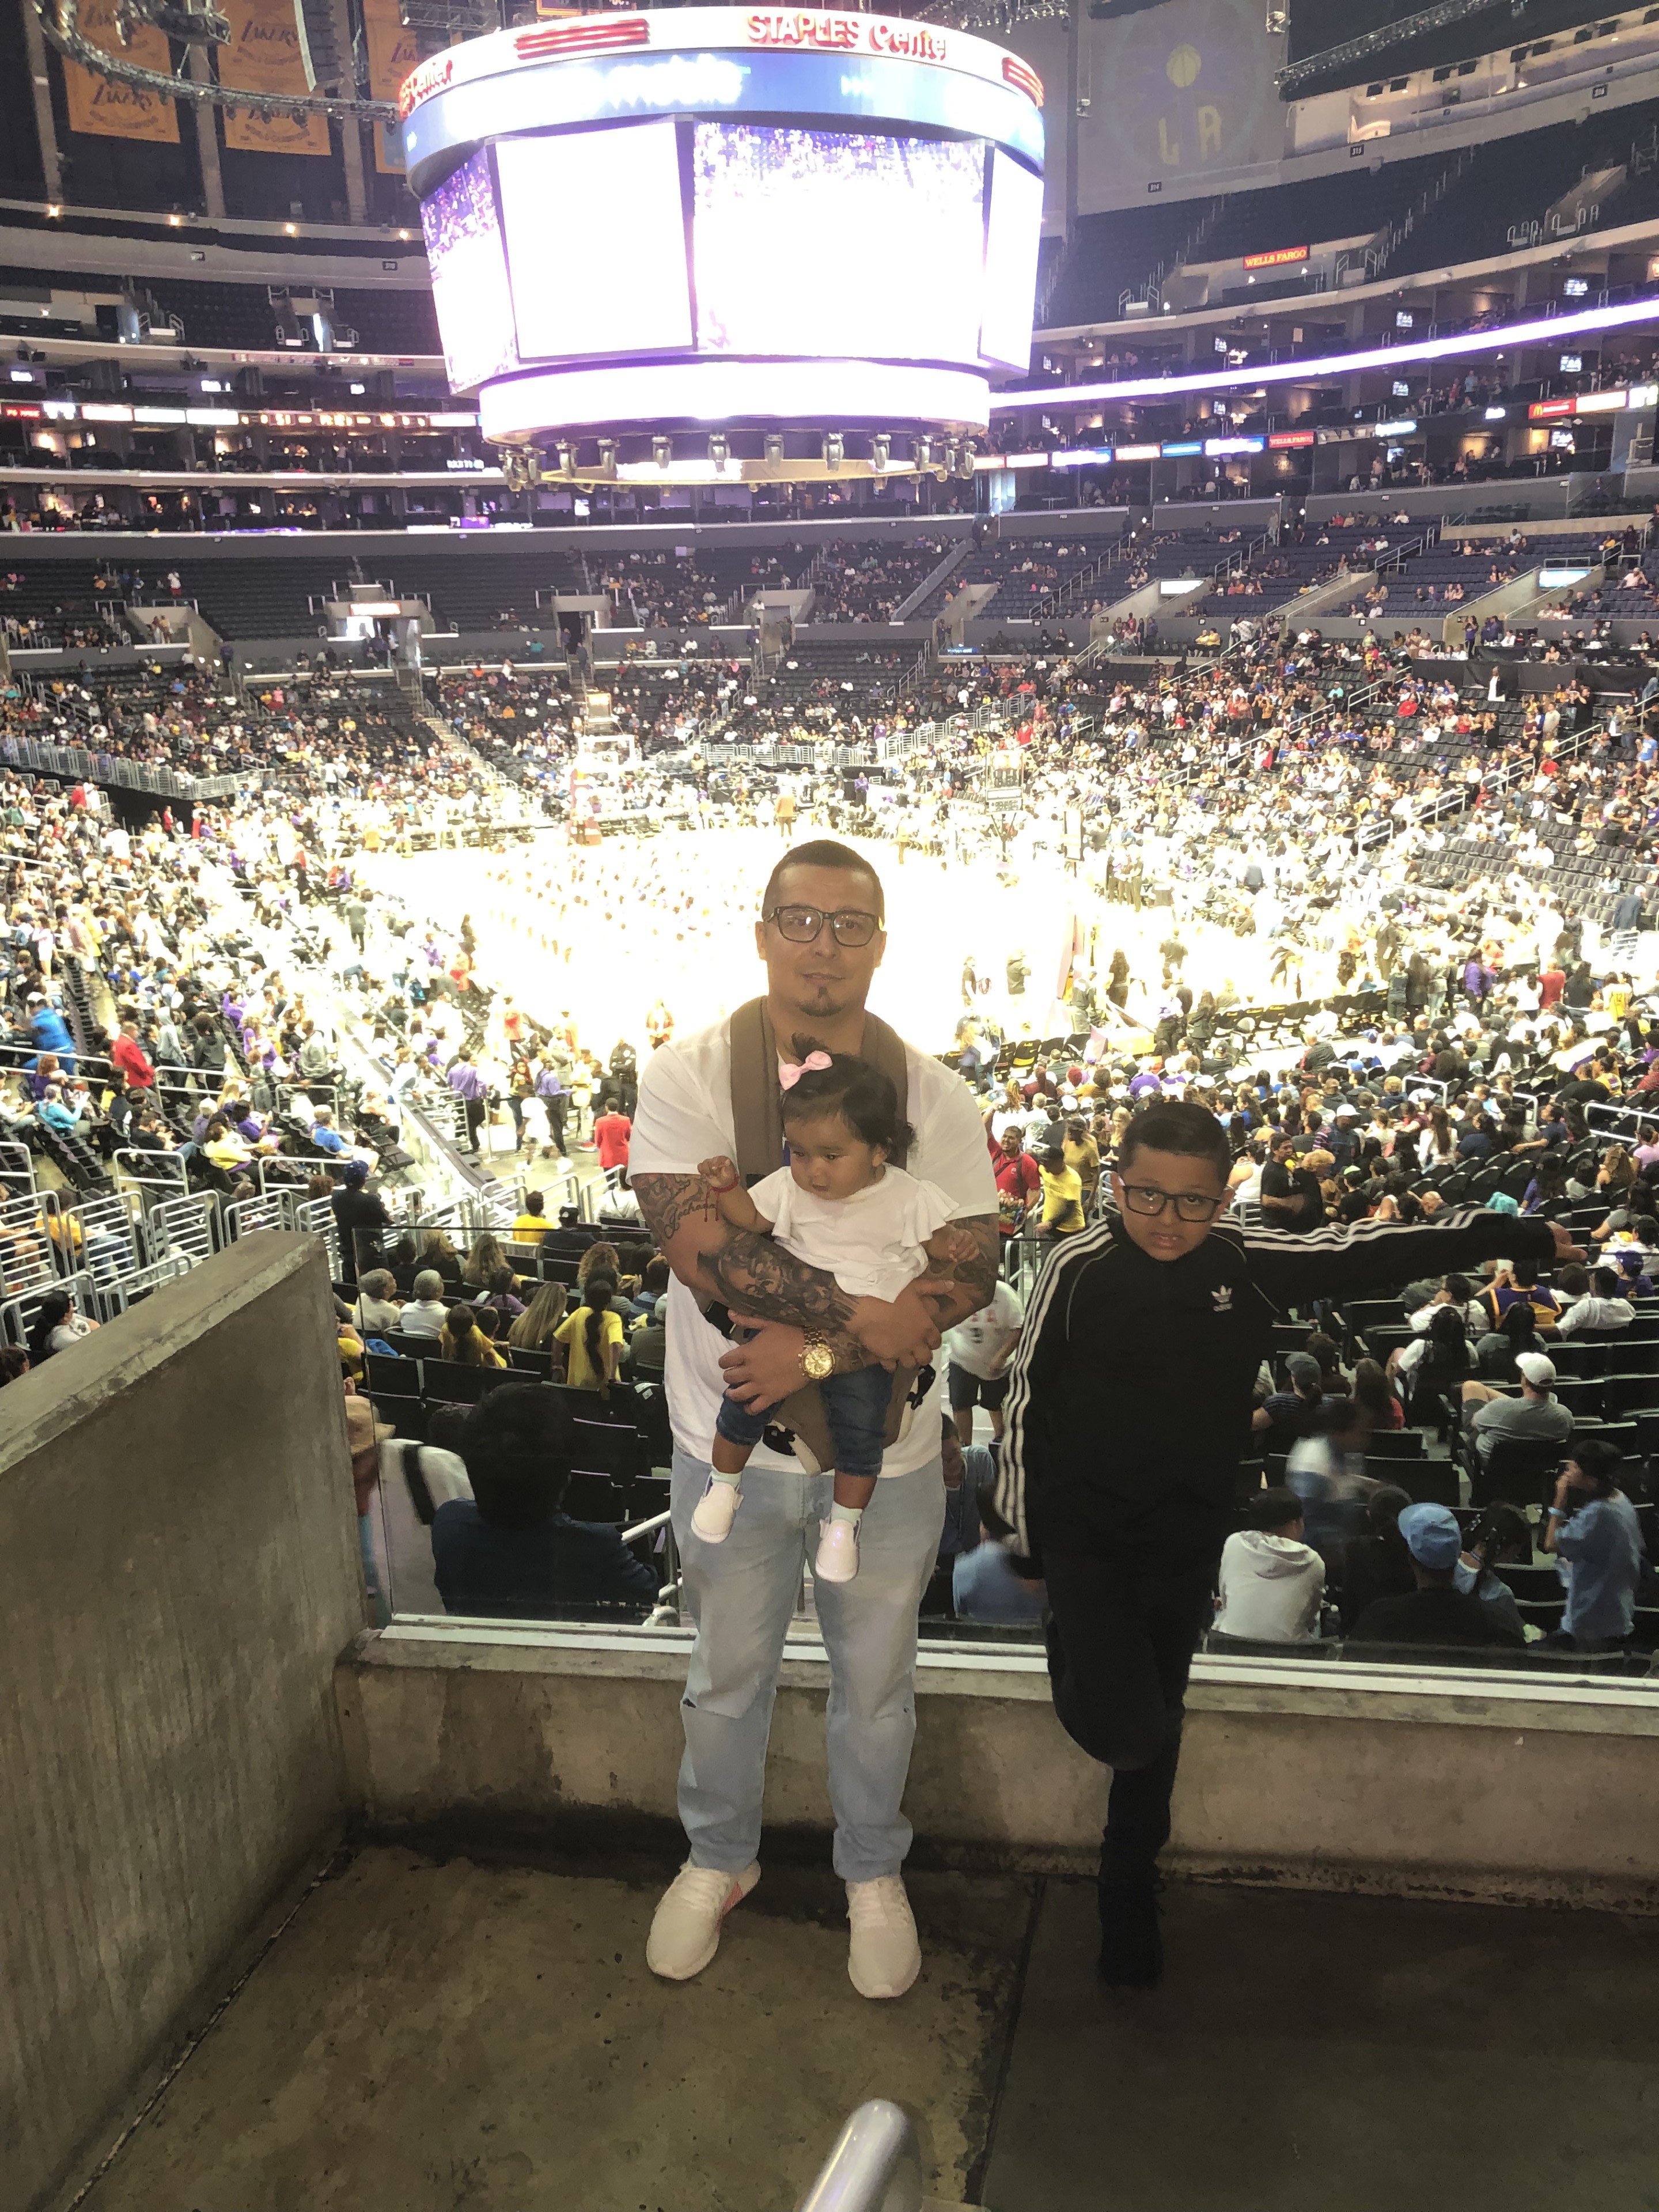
741 1595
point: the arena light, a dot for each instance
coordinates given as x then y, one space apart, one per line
835 450
773 449
1541 330
881 449
921 452
720 452
727 392
662 452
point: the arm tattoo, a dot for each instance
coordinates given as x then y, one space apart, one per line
667 1202
753 1275
952 1288
746 1271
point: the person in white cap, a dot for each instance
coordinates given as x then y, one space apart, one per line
1537 1416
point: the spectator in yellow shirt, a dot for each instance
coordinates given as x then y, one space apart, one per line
593 1337
1062 1195
532 1223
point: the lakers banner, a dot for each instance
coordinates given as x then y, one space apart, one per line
106 109
267 55
393 53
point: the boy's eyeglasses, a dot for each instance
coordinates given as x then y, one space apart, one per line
1190 1205
801 924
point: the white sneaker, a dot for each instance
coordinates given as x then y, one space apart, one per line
685 1929
838 1551
885 1957
715 1511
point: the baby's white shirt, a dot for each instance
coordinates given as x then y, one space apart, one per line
872 1243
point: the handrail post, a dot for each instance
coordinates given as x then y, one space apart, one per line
875 2166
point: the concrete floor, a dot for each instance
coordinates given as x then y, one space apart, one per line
1309 2052
454 2037
458 2038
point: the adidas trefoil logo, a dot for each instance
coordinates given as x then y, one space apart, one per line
1222 1299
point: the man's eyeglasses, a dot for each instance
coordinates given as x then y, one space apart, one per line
1190 1205
801 924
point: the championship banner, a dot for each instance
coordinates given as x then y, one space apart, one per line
103 108
267 55
393 53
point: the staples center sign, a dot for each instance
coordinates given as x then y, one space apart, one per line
693 29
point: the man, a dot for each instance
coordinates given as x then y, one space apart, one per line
1593 1530
979 1349
1158 1314
1436 1611
1518 1285
1536 1416
49 1031
821 936
647 1347
130 1056
1290 1198
550 1089
468 1085
360 1219
612 1132
532 1223
513 1552
1623 924
1019 1180
988 1583
1597 1307
1271 1584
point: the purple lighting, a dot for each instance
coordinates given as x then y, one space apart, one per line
1549 327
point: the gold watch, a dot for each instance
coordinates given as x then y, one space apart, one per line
817 1361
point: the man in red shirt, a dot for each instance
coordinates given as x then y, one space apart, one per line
1550 984
1019 1179
130 1056
611 1132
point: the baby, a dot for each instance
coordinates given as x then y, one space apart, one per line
837 1206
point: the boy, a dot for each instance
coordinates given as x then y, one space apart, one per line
1128 1410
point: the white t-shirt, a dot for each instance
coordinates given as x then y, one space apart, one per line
872 1243
972 1344
684 1116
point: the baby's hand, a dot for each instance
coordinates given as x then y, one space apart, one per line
718 1172
956 1245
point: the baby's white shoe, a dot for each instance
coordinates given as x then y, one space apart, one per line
838 1551
715 1510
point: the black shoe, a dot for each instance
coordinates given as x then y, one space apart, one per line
1130 1942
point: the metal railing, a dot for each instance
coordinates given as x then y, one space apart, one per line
71 763
597 1191
875 2166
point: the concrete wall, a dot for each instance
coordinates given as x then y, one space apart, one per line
1504 1787
179 1556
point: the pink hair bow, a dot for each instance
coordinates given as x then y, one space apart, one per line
790 1073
